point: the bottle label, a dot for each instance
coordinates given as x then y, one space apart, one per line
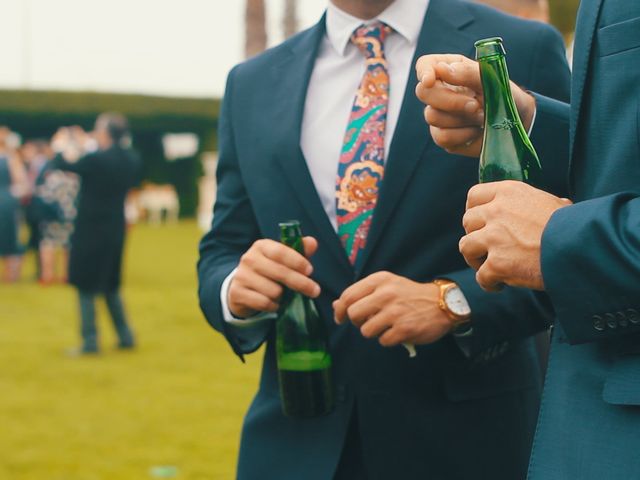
505 124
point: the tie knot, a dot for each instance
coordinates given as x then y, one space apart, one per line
370 39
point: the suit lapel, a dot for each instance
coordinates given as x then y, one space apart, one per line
292 74
587 21
440 34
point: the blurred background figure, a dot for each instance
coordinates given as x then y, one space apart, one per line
108 169
34 163
13 188
54 211
531 9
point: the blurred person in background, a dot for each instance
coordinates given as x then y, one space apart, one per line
54 208
13 187
108 168
530 9
34 155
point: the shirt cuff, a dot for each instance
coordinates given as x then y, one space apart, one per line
533 121
254 321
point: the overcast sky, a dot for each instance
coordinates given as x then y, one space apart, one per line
166 47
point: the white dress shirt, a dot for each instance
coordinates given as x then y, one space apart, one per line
336 75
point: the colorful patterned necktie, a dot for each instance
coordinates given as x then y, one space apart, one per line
361 165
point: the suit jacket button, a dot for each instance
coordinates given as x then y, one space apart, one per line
633 316
611 320
623 321
598 323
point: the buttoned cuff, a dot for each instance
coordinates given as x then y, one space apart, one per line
533 121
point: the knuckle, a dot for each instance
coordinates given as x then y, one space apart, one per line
351 313
247 259
466 220
386 291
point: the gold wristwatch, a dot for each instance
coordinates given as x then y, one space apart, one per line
453 302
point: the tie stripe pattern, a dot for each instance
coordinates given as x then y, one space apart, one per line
361 167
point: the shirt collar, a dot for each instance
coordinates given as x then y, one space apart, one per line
404 16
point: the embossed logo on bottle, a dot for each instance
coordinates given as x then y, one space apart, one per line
505 124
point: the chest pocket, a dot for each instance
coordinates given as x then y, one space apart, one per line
619 37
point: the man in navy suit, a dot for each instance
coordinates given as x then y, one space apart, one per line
465 407
585 255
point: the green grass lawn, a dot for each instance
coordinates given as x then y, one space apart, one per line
178 400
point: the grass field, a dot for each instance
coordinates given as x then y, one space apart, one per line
177 401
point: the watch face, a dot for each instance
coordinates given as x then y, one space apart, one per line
456 302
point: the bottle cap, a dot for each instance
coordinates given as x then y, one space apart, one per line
489 47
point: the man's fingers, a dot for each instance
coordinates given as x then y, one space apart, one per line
376 325
356 292
442 119
488 280
286 276
443 97
310 246
340 312
399 333
455 139
473 249
286 256
481 194
260 284
251 301
473 220
465 73
425 65
360 311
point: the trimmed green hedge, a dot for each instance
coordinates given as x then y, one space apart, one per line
36 114
563 14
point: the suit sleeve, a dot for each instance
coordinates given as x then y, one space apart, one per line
233 231
82 166
518 313
591 267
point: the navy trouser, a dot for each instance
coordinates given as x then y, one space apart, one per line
88 320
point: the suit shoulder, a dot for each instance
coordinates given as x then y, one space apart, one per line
528 31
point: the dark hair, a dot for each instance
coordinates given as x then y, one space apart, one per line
116 125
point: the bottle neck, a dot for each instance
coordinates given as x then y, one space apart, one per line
294 242
501 112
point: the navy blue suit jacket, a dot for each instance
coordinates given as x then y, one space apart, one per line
590 418
439 415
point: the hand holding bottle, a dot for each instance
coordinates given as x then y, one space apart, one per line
451 88
264 269
504 224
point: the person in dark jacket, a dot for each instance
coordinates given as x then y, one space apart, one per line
97 243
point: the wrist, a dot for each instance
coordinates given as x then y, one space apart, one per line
526 105
453 303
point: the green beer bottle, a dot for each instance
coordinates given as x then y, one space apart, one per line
304 362
507 152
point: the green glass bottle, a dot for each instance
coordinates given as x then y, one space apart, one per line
302 347
507 152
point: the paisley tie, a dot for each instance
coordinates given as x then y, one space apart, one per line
361 167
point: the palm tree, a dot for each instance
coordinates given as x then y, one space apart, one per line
290 19
256 31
